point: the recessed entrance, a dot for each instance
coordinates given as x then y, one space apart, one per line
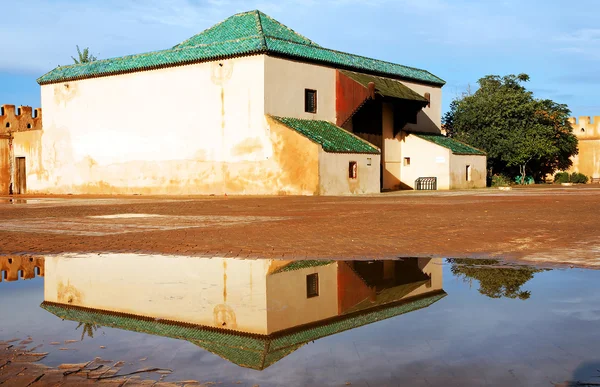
20 176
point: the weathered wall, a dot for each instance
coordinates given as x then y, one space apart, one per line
203 291
429 119
287 304
334 173
13 268
588 134
391 151
4 166
29 145
426 160
458 171
285 82
190 129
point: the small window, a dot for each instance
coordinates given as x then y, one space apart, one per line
310 101
428 98
407 161
312 285
582 130
468 173
368 161
352 169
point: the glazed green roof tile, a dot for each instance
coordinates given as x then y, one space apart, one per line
302 264
331 137
243 34
386 87
457 147
251 351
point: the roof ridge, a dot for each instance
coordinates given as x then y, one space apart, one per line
212 27
288 28
261 32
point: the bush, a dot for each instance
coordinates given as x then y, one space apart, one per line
562 177
579 178
575 177
500 181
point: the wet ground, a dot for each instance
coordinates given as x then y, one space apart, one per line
409 322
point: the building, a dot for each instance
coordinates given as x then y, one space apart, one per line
247 106
13 268
250 312
588 135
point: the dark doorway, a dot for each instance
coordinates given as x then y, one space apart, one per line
20 176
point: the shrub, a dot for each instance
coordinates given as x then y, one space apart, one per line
500 181
562 177
575 177
578 178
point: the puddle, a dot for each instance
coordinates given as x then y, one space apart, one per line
414 322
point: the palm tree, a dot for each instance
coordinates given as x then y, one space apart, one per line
88 328
84 56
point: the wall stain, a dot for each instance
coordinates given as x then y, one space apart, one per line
68 294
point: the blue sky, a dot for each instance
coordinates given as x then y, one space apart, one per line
557 42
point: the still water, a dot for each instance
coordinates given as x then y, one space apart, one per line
413 322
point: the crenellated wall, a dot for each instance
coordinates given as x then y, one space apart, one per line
19 119
588 134
11 266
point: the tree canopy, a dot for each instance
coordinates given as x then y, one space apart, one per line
494 281
522 135
83 56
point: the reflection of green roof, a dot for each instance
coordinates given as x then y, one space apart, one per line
386 87
331 137
457 147
246 350
302 264
242 34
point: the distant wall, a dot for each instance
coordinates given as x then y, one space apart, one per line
588 134
334 175
458 171
426 160
13 268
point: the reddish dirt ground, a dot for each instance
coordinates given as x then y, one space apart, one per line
545 226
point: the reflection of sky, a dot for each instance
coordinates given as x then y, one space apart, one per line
465 338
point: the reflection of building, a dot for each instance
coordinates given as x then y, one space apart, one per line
17 267
250 312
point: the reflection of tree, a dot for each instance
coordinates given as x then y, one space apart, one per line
88 328
494 281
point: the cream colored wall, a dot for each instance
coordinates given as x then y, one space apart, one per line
426 160
334 169
285 82
29 145
432 267
429 119
287 305
196 129
458 171
588 159
193 290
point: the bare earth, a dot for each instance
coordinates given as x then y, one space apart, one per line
543 225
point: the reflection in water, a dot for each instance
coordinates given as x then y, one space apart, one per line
250 312
88 328
494 281
13 268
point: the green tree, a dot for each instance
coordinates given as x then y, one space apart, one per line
88 328
83 56
495 281
521 135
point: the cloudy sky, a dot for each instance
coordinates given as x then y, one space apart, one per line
557 42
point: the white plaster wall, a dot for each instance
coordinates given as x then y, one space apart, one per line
189 129
184 289
285 82
287 303
458 171
426 160
334 173
429 119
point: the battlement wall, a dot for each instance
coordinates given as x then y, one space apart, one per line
585 128
19 119
11 266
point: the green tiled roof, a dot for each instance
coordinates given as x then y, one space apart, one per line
386 87
302 264
246 350
331 137
457 147
242 34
